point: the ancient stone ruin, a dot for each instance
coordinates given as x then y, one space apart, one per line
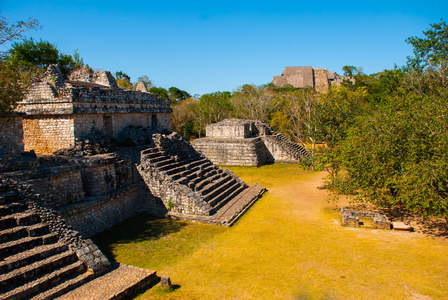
236 142
197 190
350 217
59 111
301 77
51 204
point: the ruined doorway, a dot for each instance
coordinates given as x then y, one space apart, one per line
154 122
108 126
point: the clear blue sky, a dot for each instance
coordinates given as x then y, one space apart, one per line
208 46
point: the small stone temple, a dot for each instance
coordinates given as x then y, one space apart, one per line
300 77
58 110
236 142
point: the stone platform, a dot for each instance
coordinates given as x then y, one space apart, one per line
123 282
229 213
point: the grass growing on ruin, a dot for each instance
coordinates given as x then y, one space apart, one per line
289 245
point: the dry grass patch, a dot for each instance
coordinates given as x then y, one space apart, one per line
290 245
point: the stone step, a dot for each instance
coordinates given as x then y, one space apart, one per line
149 151
219 187
30 256
7 221
227 195
194 173
28 272
151 154
18 232
67 285
165 161
45 282
13 207
13 247
176 170
13 233
172 165
202 181
27 218
38 229
7 196
210 185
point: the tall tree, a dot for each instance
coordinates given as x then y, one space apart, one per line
349 70
38 55
159 92
432 50
254 102
177 95
10 32
13 87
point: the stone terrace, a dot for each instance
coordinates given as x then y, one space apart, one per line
40 259
235 142
192 185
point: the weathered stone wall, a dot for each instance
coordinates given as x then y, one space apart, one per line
259 144
230 128
63 186
11 136
58 110
92 194
184 200
97 214
88 75
321 83
100 179
47 134
233 152
300 77
277 150
351 218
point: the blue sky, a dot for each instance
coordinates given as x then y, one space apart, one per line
208 46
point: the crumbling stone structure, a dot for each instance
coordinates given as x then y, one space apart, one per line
38 249
191 186
301 77
59 111
351 217
236 142
11 136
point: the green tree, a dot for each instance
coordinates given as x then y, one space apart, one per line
253 102
13 87
10 32
159 92
177 95
349 70
123 76
432 50
123 80
34 56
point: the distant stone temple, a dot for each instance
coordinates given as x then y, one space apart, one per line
58 110
300 77
235 142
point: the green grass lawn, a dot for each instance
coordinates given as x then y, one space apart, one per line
289 245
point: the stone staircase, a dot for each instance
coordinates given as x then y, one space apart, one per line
34 263
191 185
293 149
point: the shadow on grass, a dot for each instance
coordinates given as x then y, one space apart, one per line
136 229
